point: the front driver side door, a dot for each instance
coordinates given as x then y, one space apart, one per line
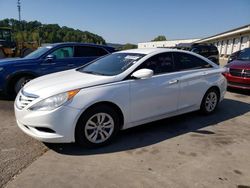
157 95
63 60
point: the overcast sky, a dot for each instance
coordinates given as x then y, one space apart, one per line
134 21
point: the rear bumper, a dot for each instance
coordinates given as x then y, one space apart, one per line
237 82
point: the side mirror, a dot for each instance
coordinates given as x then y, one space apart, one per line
50 57
143 74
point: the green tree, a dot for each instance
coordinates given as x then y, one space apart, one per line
35 31
160 38
128 46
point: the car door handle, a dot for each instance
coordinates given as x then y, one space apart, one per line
173 81
70 65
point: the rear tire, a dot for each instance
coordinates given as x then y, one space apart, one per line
97 126
210 101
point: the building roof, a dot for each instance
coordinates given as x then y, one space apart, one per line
239 30
172 40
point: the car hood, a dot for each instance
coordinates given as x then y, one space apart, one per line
239 64
60 82
12 61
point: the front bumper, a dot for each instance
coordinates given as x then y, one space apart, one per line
57 126
1 84
237 82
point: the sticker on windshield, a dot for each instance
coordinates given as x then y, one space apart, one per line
132 57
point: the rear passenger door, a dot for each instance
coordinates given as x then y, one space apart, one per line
192 81
84 54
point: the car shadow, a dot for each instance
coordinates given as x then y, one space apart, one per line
6 98
239 91
162 130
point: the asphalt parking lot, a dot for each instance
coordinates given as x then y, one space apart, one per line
16 149
191 150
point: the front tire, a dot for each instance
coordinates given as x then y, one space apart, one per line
210 101
21 82
97 126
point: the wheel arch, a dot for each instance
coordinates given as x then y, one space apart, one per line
216 88
110 104
15 76
212 87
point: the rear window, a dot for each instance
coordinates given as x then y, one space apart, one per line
185 61
87 51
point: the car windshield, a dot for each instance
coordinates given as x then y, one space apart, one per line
112 64
244 55
37 53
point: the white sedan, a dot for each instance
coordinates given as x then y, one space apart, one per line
90 104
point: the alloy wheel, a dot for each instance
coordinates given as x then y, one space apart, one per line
99 128
211 101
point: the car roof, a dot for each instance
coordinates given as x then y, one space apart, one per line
78 43
151 50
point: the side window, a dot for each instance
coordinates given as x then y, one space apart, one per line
64 52
185 61
86 51
161 63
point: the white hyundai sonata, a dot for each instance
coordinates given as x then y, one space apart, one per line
90 104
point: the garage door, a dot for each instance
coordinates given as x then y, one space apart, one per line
223 48
229 46
236 45
244 42
219 47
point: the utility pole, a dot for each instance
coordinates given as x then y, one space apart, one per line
19 9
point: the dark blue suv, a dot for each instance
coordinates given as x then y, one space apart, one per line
14 73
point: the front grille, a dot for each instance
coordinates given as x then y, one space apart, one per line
24 99
240 73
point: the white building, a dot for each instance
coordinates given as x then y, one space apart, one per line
162 44
226 42
230 41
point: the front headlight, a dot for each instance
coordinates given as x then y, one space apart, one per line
54 102
1 68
